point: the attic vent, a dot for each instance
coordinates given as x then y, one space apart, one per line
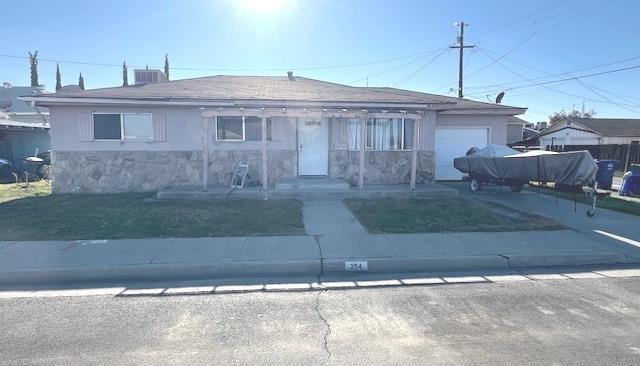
145 76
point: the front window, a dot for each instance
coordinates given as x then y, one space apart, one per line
388 134
236 128
122 126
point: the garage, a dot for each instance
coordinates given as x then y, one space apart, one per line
450 143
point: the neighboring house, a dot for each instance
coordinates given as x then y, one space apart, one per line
23 129
528 141
150 136
591 131
605 138
515 128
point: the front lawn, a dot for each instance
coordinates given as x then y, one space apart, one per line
12 191
133 215
442 215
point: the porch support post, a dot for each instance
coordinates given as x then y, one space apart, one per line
205 155
265 181
363 146
414 154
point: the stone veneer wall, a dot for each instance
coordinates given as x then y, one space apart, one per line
381 167
142 171
280 164
123 171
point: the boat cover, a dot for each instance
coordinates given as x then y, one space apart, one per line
574 168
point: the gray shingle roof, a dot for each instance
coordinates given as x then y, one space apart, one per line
459 103
272 88
11 95
609 127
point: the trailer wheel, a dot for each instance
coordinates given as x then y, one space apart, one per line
516 188
475 185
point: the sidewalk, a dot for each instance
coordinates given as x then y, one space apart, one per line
155 259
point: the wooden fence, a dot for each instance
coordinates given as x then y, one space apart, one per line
607 152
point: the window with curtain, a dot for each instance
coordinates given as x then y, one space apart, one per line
353 134
388 134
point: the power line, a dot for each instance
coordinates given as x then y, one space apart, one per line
569 79
233 70
549 75
396 67
493 62
521 18
605 97
410 76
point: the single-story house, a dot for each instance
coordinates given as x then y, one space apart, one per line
24 129
153 135
605 138
591 131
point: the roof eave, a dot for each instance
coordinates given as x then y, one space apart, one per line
48 101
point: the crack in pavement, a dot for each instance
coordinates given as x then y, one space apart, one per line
325 344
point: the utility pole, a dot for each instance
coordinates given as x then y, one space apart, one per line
461 46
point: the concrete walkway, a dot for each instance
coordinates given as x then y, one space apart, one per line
329 217
151 259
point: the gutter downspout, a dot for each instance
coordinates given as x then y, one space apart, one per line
44 120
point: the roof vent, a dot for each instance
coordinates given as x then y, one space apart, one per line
145 76
290 75
7 85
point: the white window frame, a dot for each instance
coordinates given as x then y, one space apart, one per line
244 130
122 126
232 140
402 139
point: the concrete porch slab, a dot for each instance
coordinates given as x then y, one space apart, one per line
426 190
312 183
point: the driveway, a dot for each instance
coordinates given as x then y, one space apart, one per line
608 226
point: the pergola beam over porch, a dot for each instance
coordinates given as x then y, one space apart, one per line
362 115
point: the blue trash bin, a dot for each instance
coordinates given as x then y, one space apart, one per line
604 176
631 182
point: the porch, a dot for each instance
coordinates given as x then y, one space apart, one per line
285 148
308 188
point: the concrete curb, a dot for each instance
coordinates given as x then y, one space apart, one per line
147 272
309 267
399 265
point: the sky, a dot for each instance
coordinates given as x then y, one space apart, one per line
537 52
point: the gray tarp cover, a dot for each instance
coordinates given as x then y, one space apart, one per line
570 168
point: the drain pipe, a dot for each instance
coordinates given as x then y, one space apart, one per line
44 120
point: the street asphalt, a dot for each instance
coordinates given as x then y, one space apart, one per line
564 322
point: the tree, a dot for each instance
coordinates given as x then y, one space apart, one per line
81 82
58 77
166 65
33 61
125 74
558 116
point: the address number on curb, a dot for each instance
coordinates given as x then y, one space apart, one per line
356 266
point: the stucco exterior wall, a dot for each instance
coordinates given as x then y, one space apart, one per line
120 166
497 125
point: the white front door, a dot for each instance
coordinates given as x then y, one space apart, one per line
313 146
451 143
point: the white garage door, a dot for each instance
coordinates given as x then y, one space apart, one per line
451 143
